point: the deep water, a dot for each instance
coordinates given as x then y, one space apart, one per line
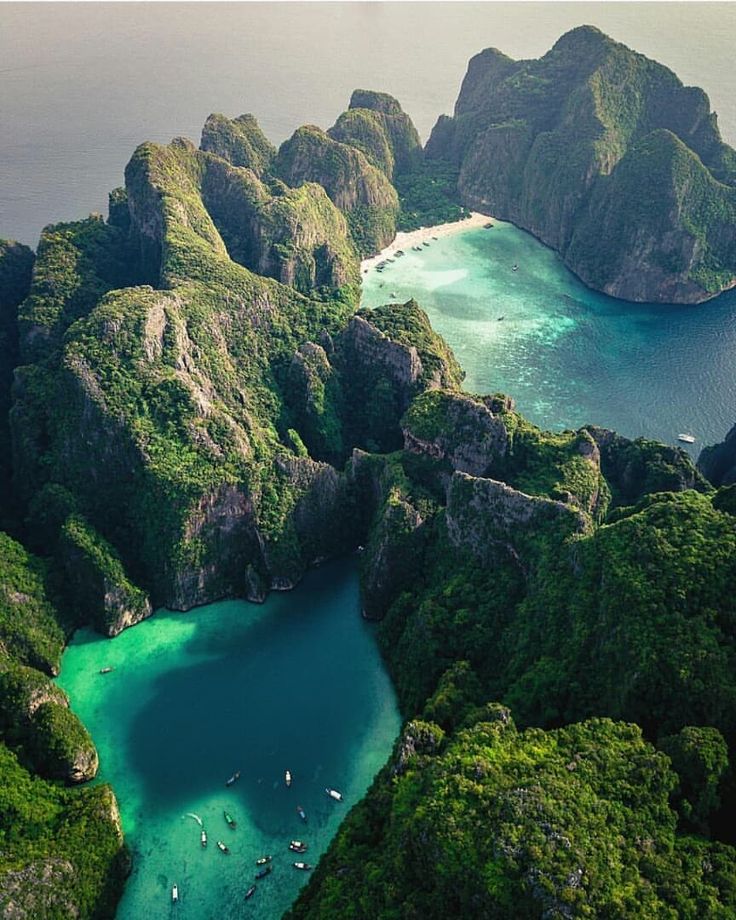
295 683
568 355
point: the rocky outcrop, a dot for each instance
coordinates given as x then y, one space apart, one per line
359 189
376 124
718 461
484 514
464 432
634 468
97 581
297 236
390 559
35 714
591 143
240 141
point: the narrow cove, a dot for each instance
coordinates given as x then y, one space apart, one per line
297 683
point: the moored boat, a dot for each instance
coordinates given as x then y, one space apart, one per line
224 849
175 894
298 846
233 779
230 820
334 794
203 838
686 438
515 268
250 892
262 860
300 811
302 865
262 873
106 670
287 777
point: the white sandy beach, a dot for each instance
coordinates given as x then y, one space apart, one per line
405 241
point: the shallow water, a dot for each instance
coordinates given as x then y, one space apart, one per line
568 355
296 683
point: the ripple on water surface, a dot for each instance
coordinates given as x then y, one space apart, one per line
296 683
568 355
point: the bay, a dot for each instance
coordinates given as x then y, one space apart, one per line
568 355
296 683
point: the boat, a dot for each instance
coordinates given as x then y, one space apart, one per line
262 860
334 794
106 670
488 226
230 820
175 894
425 243
221 846
515 268
262 873
686 438
250 892
203 838
233 779
297 846
399 253
500 318
301 813
302 865
435 237
287 777
393 294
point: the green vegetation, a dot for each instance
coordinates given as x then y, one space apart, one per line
61 850
240 141
493 822
358 188
202 413
428 195
594 142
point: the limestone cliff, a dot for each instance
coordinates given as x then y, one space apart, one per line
606 157
240 141
718 461
359 189
376 124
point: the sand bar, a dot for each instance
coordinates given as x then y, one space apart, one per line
405 241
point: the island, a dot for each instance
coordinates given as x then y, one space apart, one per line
196 408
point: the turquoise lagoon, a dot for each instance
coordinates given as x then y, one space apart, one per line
295 683
568 355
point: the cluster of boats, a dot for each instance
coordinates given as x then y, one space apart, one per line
263 863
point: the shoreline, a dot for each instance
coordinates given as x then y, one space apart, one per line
405 239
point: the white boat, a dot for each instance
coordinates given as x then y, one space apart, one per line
287 777
203 837
334 794
175 894
686 438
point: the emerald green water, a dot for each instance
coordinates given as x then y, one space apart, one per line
295 683
568 355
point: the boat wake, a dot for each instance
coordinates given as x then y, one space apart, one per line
190 814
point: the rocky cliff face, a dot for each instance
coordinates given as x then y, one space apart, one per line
359 189
718 461
606 157
240 141
376 124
